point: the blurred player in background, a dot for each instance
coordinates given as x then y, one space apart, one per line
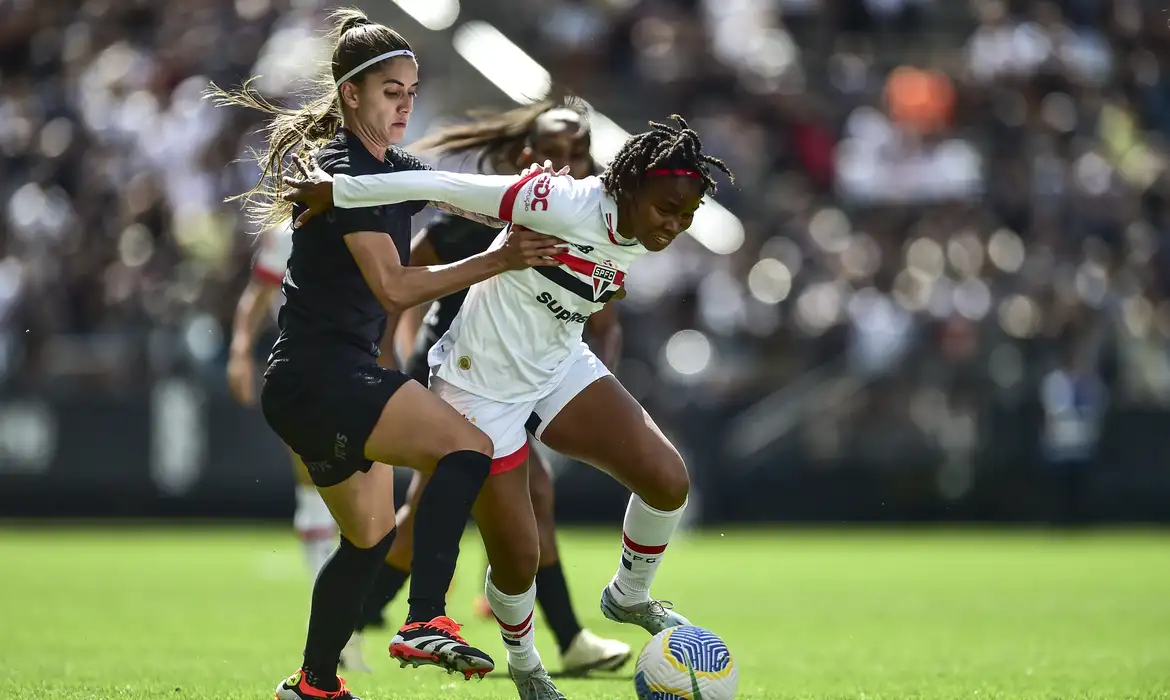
504 144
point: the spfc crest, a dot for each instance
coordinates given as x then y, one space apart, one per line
603 277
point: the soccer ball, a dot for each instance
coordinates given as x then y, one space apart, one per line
685 663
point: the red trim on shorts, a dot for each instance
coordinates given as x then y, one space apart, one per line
267 276
509 462
509 199
642 548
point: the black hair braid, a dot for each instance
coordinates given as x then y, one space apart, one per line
664 146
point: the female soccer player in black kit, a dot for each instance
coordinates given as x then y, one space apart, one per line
324 392
506 143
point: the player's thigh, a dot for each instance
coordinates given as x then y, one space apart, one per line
604 426
416 429
503 513
503 423
363 505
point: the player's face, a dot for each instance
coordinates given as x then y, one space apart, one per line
662 208
563 148
384 100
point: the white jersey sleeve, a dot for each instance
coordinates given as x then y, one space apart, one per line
552 205
272 256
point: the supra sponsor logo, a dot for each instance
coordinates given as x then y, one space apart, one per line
537 199
559 311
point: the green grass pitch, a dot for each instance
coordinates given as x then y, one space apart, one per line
219 613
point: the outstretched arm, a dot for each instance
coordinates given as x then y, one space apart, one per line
525 199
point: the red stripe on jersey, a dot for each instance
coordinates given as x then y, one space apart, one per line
642 548
509 199
609 230
585 267
267 276
515 628
509 462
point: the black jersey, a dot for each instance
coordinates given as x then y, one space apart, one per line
454 238
329 310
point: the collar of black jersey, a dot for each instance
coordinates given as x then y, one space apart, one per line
353 144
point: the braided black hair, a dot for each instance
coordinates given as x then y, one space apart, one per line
663 146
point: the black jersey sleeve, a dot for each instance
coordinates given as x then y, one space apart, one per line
345 221
403 160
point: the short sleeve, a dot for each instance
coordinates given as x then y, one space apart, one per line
346 221
272 256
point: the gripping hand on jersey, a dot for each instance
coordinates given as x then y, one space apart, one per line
523 248
313 188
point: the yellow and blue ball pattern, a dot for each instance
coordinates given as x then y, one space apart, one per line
685 663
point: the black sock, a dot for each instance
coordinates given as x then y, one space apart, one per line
552 593
338 594
439 521
387 584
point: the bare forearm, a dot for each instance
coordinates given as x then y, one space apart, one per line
418 285
250 314
479 218
608 346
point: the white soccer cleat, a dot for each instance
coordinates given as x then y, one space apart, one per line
352 658
588 652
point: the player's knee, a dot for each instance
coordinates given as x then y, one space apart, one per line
371 533
469 437
671 484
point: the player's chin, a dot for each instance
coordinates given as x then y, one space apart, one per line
657 242
396 131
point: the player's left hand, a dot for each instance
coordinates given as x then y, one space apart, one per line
546 168
313 187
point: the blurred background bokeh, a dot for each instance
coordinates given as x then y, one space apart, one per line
949 301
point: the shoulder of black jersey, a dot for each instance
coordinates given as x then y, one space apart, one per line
401 159
333 157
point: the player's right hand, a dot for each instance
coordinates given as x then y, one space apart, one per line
546 168
523 248
241 376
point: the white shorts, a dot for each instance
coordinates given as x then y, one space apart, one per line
507 424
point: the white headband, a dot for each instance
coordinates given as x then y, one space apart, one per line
372 61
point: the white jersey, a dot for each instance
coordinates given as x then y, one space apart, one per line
516 332
272 258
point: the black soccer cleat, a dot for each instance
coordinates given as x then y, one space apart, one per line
437 643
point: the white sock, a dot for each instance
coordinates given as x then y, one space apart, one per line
645 534
315 528
514 613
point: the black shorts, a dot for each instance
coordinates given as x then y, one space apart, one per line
326 414
418 369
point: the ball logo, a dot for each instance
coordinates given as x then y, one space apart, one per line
465 363
540 192
685 663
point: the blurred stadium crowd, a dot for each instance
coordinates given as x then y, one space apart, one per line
944 201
